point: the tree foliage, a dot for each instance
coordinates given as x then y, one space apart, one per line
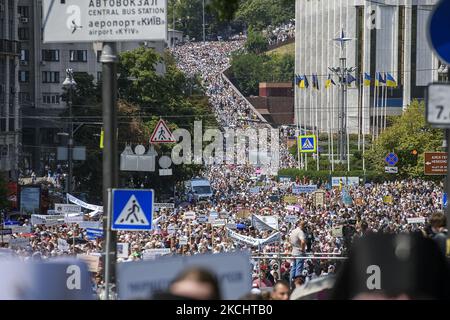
408 132
256 42
262 13
249 69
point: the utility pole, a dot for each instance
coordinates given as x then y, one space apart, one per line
70 83
110 174
204 31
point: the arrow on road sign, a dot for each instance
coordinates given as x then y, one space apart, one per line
162 134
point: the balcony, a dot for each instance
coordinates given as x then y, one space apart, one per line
9 47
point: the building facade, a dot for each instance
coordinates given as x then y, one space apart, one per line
388 36
41 76
9 88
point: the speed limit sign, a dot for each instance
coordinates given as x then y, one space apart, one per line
438 105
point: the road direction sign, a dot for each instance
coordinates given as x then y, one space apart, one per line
132 209
104 21
391 159
162 134
438 105
438 26
307 144
435 163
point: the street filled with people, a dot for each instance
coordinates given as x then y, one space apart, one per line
275 218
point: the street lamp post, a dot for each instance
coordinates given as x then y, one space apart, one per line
70 84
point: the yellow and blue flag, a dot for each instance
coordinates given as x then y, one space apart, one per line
329 82
367 79
390 81
315 82
379 81
350 79
304 84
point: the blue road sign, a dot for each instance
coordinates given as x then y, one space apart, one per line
444 200
308 144
438 30
132 209
391 159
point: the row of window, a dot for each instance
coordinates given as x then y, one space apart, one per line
53 55
47 76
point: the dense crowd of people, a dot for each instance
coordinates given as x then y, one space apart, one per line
242 191
280 34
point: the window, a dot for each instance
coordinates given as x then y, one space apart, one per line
24 76
99 76
24 34
23 11
50 98
24 55
24 97
50 77
78 55
50 55
99 55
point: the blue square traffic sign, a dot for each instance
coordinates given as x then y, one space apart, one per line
132 209
307 144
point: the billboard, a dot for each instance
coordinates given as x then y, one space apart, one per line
30 200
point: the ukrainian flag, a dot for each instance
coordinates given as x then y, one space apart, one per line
316 82
390 81
367 79
304 84
300 81
350 79
329 82
379 79
297 80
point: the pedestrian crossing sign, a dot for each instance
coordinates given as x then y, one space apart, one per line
162 134
132 209
307 144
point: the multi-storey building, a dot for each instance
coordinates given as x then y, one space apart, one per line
388 36
9 93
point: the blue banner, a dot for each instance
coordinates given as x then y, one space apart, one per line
297 189
93 234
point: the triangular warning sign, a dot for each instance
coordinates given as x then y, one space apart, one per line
132 214
162 134
307 145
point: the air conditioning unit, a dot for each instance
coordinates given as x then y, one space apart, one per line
24 20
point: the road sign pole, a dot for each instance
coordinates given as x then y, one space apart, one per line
109 98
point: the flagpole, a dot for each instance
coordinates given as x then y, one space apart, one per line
304 125
316 102
359 111
375 89
298 133
347 131
385 108
332 128
328 126
363 122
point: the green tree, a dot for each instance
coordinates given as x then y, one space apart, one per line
408 132
261 13
256 42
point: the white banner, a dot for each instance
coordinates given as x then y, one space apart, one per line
83 204
152 254
73 218
123 250
39 219
252 241
416 220
90 224
62 208
21 229
19 242
265 222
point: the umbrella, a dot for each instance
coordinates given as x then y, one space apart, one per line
241 226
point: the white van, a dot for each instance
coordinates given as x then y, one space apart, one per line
200 188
